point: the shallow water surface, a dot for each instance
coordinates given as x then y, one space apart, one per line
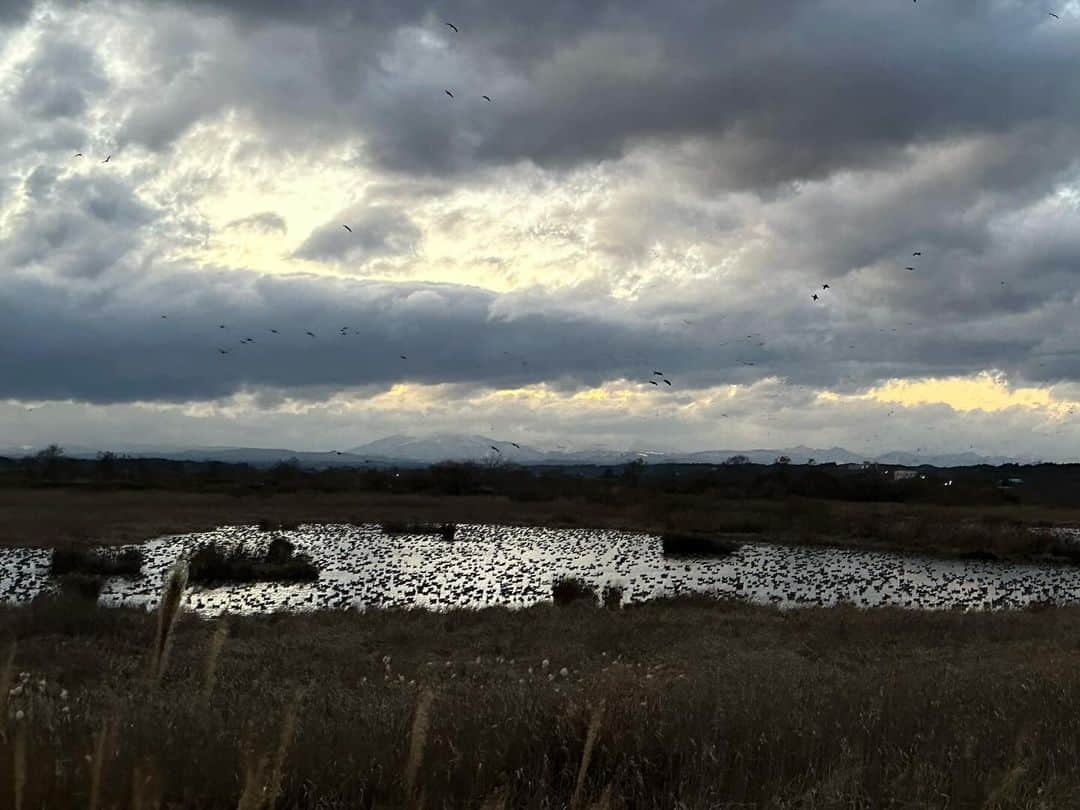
499 565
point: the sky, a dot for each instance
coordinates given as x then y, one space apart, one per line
653 186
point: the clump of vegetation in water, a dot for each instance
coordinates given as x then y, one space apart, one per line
213 564
568 590
674 543
96 562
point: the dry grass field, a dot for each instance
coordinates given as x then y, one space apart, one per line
695 704
58 517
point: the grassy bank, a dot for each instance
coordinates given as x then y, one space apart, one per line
62 517
690 704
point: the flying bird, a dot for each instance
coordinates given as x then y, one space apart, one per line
346 227
1052 14
653 382
909 268
917 253
309 334
106 160
496 449
274 331
486 98
814 296
448 93
824 286
658 374
221 326
165 317
518 446
451 25
78 154
223 351
667 381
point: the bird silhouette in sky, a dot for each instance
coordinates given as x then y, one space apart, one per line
451 25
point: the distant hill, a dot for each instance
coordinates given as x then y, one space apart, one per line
404 450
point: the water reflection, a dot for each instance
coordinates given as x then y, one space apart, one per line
495 565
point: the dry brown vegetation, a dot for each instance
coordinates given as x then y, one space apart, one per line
61 517
693 704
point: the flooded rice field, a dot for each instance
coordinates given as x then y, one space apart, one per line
361 567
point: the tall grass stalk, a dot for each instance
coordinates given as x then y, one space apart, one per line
285 739
168 610
213 654
417 741
97 764
19 764
7 678
143 794
254 782
606 800
586 754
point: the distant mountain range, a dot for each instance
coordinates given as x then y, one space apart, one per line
421 451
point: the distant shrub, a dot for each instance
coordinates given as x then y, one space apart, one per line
212 563
445 530
97 562
267 525
567 590
675 543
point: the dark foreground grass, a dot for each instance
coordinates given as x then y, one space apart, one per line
687 704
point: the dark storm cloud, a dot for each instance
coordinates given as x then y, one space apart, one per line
109 343
78 226
865 131
113 346
375 231
792 91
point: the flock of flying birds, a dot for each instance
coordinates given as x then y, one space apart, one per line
816 297
657 376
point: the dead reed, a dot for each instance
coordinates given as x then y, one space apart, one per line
417 741
213 654
168 610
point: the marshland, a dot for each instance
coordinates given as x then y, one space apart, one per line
563 646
